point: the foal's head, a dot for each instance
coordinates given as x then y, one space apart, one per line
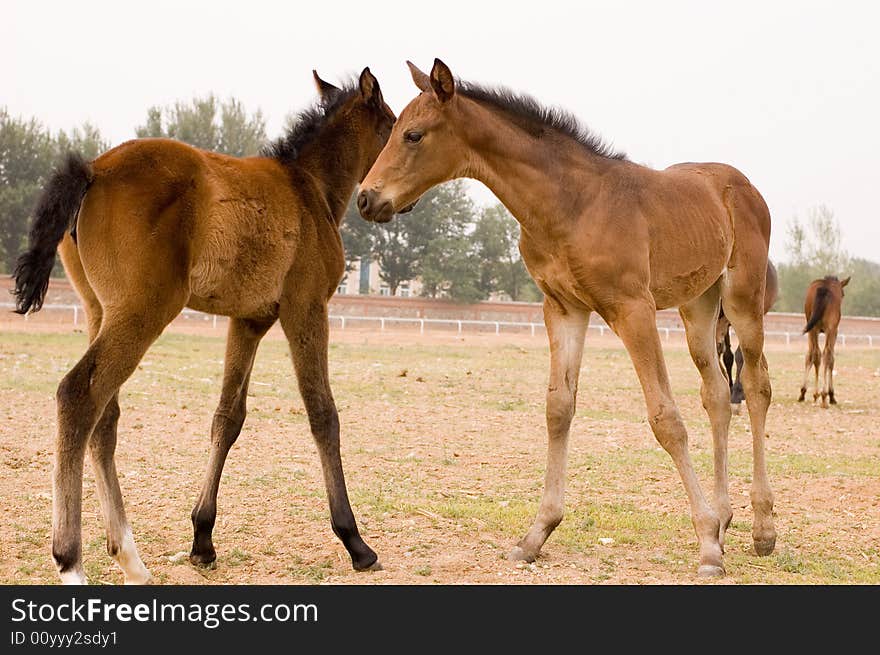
835 285
424 150
357 113
372 117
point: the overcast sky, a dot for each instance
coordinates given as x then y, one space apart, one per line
789 93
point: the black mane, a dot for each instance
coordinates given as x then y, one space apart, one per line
307 125
535 118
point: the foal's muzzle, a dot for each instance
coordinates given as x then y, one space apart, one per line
373 208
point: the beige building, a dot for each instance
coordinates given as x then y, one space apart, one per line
366 280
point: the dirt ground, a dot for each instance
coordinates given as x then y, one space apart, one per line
444 447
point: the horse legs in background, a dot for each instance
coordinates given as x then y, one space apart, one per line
736 389
827 391
813 360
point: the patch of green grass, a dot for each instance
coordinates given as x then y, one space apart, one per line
237 557
515 405
311 573
789 562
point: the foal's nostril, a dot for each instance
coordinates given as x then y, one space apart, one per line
363 201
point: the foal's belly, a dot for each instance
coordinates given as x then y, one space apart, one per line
688 255
238 306
242 275
674 289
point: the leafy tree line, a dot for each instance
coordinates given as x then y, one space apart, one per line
29 151
814 248
456 251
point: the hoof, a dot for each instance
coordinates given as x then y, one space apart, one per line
519 555
370 562
764 547
375 565
204 561
710 571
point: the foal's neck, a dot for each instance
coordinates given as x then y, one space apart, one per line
335 161
541 181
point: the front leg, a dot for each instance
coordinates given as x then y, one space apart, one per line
241 349
306 327
566 329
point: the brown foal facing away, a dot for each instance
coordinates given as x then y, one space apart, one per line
822 309
603 234
153 226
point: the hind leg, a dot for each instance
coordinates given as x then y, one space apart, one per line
102 444
811 362
82 397
743 304
120 541
699 317
827 392
241 348
636 325
816 359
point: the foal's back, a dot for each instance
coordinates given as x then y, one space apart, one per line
227 227
685 224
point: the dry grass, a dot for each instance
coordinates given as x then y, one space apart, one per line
444 466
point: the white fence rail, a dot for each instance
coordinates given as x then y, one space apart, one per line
459 324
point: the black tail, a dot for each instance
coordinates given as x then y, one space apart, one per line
54 214
818 308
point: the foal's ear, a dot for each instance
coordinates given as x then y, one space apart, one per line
843 283
442 81
419 77
326 89
369 87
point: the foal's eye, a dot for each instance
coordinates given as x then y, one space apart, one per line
413 137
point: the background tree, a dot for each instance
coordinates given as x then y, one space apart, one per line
26 157
209 124
398 251
358 235
85 140
496 240
28 153
429 243
814 250
443 231
863 292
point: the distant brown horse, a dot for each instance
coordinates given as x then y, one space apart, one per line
728 357
601 233
153 226
822 309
